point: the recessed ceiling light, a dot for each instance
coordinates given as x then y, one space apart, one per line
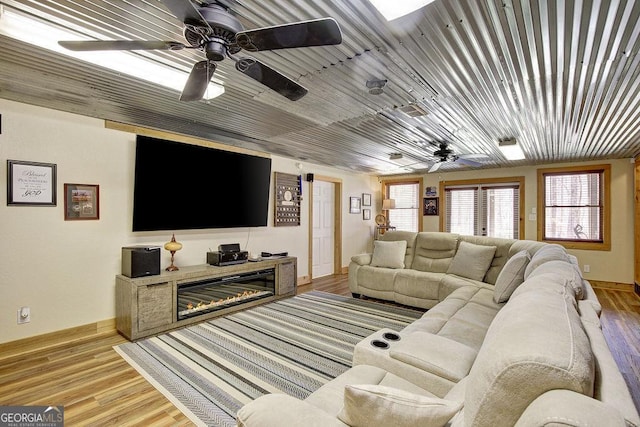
511 149
392 9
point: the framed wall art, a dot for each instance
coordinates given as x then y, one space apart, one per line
430 206
354 205
366 214
366 199
81 201
31 183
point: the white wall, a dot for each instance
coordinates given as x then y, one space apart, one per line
615 265
65 270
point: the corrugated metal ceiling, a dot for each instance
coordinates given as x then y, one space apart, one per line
559 76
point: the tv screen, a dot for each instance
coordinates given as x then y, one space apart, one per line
180 186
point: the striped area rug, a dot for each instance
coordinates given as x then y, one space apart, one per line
292 346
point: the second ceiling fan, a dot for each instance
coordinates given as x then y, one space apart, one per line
209 27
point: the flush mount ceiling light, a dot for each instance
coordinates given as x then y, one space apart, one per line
392 9
40 33
511 149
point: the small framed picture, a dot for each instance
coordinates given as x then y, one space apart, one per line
31 183
366 214
366 199
430 191
430 206
354 205
81 201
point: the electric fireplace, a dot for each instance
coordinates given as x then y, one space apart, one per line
197 298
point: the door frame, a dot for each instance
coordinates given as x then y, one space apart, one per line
337 224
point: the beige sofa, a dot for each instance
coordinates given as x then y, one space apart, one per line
521 346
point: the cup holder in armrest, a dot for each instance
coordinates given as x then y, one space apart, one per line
380 344
391 336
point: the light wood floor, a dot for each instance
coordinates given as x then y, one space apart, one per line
98 388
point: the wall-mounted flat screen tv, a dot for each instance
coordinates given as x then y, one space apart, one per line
181 186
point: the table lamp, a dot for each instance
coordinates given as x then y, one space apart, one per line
172 246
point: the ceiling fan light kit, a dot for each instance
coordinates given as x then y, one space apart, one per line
210 28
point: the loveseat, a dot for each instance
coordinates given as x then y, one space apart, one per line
518 344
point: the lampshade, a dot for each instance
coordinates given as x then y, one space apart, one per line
388 204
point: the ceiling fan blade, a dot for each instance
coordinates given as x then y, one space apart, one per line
468 162
88 45
435 167
271 78
318 32
185 11
198 81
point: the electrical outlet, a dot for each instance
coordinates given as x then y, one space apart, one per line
586 268
24 315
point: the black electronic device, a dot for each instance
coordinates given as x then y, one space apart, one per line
244 193
229 247
220 258
269 254
139 261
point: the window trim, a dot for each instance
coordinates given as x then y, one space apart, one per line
405 180
605 169
484 181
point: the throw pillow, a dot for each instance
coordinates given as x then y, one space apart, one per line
389 254
472 261
376 405
511 276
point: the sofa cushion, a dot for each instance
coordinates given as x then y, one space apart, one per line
471 260
389 254
407 236
550 252
434 251
522 357
567 269
511 276
369 405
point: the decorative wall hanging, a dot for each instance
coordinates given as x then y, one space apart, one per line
366 199
354 205
31 183
288 188
81 201
430 206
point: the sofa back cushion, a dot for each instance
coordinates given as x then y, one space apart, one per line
471 261
407 236
500 257
536 343
434 251
549 252
389 254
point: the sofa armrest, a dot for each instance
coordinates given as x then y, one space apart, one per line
281 410
568 408
362 259
435 354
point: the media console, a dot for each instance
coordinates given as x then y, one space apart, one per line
150 305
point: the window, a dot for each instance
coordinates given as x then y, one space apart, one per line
406 214
484 208
574 206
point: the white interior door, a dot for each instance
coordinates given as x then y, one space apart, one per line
323 228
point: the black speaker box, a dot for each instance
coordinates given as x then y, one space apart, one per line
139 261
309 177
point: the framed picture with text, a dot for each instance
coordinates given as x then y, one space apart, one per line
354 205
31 183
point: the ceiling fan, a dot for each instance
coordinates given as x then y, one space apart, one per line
209 27
444 154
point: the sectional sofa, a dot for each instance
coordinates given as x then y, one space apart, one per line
512 337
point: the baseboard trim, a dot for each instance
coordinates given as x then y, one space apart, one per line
636 288
628 287
52 339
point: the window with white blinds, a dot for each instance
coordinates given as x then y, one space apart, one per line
406 213
573 206
483 210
